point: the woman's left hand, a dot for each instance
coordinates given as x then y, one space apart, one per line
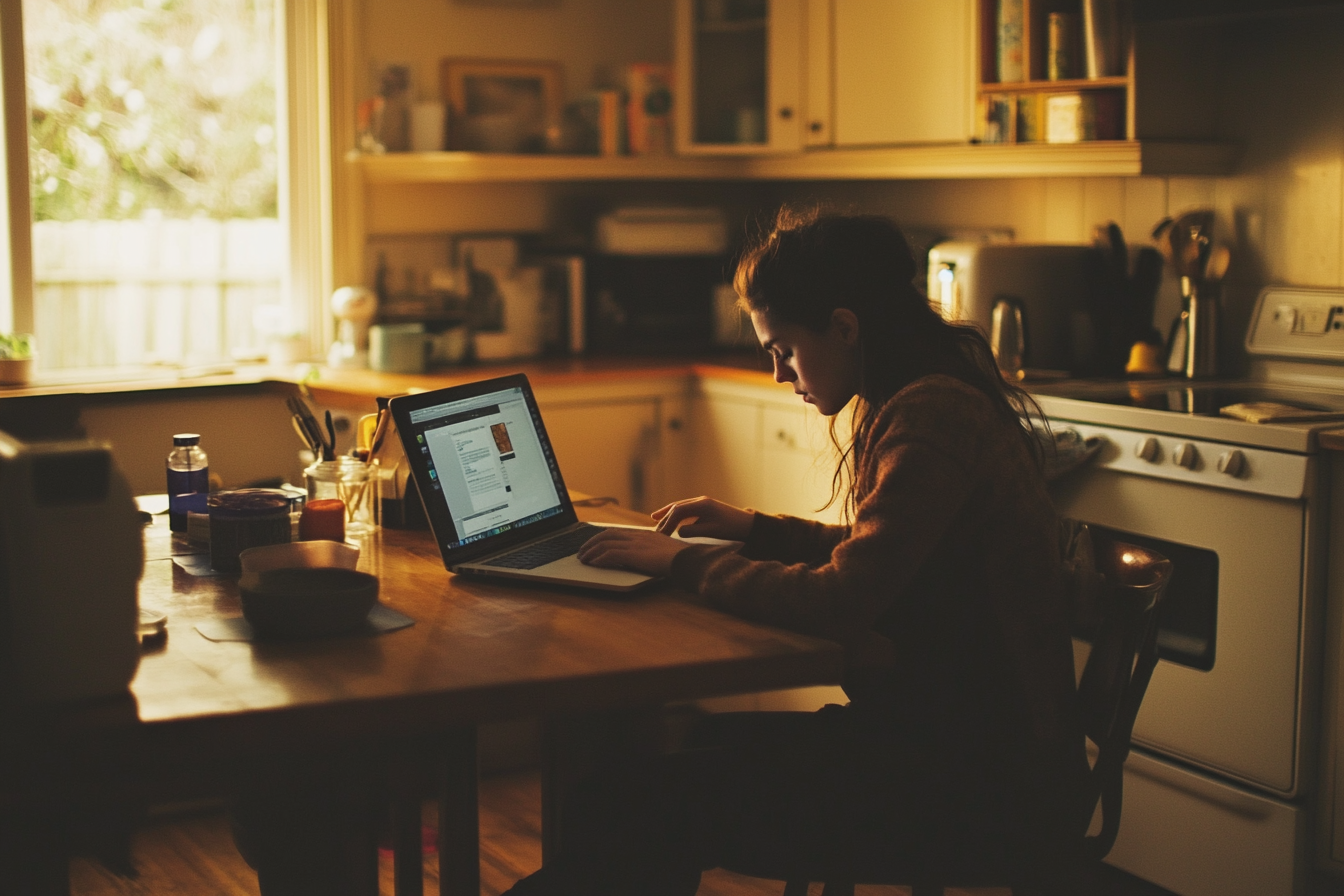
639 550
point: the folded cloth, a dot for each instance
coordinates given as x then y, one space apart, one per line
1066 450
1274 412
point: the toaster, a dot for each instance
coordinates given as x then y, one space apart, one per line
1052 284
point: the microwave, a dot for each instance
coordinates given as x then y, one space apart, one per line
1053 285
652 304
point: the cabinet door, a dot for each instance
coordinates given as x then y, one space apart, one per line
727 446
903 71
607 449
818 72
797 464
739 71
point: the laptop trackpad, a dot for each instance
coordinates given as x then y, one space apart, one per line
571 569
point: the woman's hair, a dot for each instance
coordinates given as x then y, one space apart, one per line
812 263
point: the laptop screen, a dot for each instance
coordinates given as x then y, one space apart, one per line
483 463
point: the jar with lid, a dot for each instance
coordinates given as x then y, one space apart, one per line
188 479
349 479
246 518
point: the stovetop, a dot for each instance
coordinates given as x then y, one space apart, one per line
1296 344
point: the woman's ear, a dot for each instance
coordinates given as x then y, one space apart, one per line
846 325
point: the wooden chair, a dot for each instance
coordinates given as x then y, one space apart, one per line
1117 591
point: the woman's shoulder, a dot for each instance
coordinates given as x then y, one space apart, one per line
940 395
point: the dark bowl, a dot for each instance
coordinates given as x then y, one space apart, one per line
307 602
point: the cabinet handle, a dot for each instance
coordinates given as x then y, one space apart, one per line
816 127
786 112
674 424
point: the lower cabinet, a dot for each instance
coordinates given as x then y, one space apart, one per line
646 442
626 441
760 447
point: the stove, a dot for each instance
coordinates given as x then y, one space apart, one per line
1219 792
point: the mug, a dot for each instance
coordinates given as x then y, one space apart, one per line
397 348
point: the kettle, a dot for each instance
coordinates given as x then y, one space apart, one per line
1008 337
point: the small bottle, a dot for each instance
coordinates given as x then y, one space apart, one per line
188 479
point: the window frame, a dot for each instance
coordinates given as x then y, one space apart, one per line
305 195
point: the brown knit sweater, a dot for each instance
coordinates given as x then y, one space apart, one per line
945 591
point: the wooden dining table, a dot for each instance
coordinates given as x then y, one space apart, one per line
205 712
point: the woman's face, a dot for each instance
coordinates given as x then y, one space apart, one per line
822 367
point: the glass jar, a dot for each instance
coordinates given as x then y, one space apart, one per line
349 479
245 518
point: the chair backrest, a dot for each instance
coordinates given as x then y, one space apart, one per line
1117 590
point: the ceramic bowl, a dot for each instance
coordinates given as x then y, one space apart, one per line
304 589
298 553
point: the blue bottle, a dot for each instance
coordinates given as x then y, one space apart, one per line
188 479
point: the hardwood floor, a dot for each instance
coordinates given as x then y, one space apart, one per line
194 855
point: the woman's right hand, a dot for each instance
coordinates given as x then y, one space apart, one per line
711 519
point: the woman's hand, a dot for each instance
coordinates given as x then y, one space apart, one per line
638 550
712 519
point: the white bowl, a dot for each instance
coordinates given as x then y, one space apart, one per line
298 554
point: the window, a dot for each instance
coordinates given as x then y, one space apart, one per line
174 180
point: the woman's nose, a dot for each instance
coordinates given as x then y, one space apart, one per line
783 373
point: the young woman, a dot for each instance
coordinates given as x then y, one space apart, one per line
960 739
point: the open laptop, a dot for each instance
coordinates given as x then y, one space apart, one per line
491 486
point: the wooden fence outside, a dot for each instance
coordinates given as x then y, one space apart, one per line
155 291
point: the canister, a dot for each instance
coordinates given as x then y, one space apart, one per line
245 518
350 480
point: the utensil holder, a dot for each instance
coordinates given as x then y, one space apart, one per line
350 480
1201 333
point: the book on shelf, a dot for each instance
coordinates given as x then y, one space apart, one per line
594 124
649 108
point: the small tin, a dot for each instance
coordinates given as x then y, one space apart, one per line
246 518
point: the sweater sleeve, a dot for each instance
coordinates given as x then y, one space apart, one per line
792 540
919 471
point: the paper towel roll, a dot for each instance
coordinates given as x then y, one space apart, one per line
427 127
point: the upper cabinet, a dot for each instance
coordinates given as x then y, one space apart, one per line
741 68
881 89
901 72
780 75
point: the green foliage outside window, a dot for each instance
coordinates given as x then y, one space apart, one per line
158 106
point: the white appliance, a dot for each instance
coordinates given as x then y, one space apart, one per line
1052 284
1219 792
71 552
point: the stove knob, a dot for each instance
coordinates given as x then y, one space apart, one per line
1146 449
1232 463
1186 455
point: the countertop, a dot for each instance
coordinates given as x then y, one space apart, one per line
745 366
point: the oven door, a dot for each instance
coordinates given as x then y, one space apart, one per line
1227 694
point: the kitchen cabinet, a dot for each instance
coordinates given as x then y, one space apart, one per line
1159 85
778 75
901 71
627 441
740 67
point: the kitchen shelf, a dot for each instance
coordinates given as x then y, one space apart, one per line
1111 158
467 167
1071 85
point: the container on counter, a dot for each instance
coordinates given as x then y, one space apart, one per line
322 520
188 479
246 518
350 480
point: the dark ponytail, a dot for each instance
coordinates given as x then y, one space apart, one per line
809 264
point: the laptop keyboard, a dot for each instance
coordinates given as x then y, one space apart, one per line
533 555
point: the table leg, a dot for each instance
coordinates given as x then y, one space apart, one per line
578 746
459 823
408 863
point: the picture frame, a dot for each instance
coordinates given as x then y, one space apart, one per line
502 105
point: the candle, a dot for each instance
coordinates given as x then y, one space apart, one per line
322 520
